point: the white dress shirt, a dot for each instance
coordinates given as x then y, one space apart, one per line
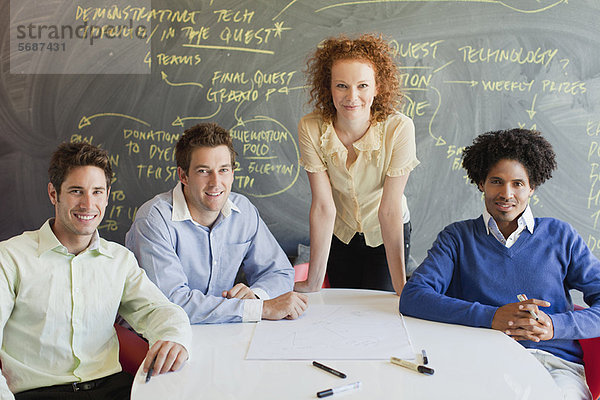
526 220
57 310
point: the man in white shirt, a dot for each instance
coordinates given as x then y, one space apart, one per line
62 287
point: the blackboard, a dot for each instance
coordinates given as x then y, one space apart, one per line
467 67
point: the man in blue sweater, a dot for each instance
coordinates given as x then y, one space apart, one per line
476 268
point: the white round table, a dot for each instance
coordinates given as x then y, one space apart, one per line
469 363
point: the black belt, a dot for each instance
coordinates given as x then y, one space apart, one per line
89 385
72 387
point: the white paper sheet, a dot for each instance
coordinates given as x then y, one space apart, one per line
334 332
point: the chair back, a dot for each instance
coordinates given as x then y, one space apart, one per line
132 349
301 273
591 359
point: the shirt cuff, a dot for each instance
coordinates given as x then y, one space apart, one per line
261 294
252 310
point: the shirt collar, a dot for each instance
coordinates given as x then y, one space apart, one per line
371 140
332 145
181 212
48 241
526 218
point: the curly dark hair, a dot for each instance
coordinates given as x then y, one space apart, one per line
528 147
367 47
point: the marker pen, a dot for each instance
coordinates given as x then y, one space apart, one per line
150 370
415 367
340 389
329 369
425 359
522 297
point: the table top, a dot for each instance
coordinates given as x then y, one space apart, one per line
469 363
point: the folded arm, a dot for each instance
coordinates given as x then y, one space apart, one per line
424 295
583 274
267 268
156 253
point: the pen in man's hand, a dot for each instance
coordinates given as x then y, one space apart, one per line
150 370
523 297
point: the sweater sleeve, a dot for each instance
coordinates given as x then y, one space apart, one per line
425 294
583 274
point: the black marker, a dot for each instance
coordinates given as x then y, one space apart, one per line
425 359
340 389
330 370
150 370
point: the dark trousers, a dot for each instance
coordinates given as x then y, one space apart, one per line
358 266
115 387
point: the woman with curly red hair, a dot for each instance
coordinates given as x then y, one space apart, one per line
358 152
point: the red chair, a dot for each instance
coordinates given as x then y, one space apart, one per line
301 273
591 358
132 349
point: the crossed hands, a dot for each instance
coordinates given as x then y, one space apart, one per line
515 320
289 305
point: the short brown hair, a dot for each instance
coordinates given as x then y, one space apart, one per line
71 155
202 135
367 47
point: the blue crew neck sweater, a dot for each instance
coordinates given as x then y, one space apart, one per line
467 275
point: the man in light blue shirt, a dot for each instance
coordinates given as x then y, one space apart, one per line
193 240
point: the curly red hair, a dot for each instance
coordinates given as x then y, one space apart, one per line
370 48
